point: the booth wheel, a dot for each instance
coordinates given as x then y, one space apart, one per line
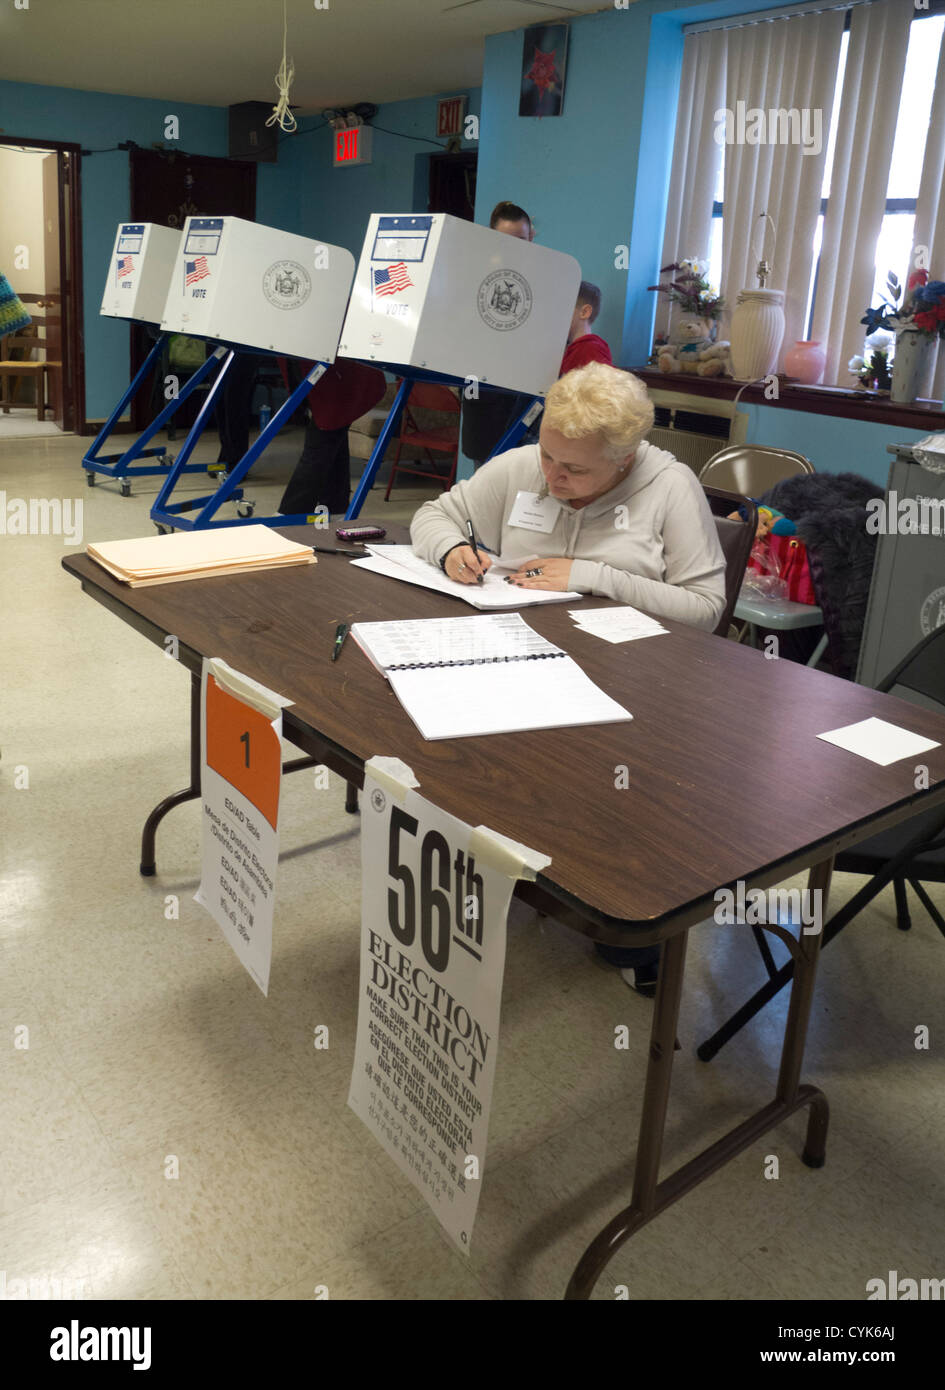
245 508
126 489
163 530
90 478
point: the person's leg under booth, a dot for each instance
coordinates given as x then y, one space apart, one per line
322 475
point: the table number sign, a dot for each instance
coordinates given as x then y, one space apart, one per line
240 779
435 899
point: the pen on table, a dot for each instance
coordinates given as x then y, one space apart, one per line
341 633
472 542
332 550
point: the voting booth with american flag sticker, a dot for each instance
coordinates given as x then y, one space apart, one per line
139 272
449 297
140 269
436 298
257 287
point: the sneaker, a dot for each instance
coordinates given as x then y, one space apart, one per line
642 978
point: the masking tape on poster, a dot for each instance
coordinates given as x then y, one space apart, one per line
506 856
393 775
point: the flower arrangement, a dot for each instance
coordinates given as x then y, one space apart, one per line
691 290
922 308
872 372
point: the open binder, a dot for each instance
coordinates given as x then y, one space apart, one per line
460 677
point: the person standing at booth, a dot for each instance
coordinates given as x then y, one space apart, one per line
486 418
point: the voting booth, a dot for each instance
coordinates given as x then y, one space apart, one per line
139 273
438 298
435 292
254 289
140 269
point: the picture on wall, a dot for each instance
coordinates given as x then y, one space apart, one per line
544 54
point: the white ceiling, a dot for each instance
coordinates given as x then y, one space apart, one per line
218 52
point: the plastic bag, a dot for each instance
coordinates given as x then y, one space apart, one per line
763 577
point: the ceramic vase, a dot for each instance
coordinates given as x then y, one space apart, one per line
913 350
757 333
805 362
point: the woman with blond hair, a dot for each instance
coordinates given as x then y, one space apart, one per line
605 512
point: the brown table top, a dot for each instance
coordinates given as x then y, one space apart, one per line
726 777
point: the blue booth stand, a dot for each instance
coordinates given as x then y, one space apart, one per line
122 466
408 376
169 516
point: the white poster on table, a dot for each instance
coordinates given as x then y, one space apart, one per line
435 899
240 780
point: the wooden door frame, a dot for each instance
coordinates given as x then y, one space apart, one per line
74 383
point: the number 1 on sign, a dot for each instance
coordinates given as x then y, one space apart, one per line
244 738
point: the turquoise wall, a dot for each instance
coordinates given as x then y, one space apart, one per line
336 203
832 444
99 121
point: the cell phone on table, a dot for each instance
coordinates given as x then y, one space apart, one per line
360 533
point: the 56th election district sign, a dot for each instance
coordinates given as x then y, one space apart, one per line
433 929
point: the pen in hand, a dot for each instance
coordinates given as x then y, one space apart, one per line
341 633
475 549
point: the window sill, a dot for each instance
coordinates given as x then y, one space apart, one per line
817 400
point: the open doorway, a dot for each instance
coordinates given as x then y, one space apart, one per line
41 383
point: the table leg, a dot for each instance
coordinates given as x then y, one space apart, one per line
795 1032
650 1197
643 1203
147 866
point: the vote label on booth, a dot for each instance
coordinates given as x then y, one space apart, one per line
433 933
241 772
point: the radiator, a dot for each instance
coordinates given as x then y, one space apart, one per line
694 429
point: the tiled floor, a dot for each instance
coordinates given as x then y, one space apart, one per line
150 1048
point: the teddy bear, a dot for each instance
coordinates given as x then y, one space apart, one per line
691 349
701 358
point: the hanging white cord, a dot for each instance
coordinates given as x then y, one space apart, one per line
281 114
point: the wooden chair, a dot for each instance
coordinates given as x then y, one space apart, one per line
427 395
18 369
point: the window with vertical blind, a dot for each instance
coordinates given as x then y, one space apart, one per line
889 172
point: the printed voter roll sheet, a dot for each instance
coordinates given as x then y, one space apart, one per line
241 774
435 899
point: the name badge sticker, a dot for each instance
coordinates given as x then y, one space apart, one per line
534 513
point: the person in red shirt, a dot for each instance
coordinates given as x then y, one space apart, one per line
583 345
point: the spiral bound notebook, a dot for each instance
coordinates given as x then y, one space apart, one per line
460 677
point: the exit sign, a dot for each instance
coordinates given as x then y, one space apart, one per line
449 115
353 145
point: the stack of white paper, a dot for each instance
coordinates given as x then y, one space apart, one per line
622 624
